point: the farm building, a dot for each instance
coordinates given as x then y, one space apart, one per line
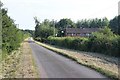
83 32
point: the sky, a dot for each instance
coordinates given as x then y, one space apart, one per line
24 11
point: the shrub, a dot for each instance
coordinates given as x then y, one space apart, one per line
69 42
99 42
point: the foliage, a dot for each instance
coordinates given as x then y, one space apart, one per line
115 24
103 41
44 29
92 23
11 35
68 23
64 23
30 32
69 42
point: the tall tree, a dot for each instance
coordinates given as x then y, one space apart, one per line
45 29
11 35
115 24
64 23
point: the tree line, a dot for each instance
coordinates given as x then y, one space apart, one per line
11 35
54 28
44 29
106 41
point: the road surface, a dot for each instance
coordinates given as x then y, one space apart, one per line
52 65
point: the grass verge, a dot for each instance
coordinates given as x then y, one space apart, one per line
35 66
19 64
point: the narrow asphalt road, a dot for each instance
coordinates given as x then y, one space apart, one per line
52 65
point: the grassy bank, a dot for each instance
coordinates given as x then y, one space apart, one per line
19 64
99 62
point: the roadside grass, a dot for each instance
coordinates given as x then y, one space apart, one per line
85 62
3 55
33 63
0 55
0 63
27 67
13 64
10 64
35 70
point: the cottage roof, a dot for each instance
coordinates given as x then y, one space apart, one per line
81 30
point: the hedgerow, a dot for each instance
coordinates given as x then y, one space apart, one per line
11 35
104 42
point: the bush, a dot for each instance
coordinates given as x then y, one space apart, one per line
69 42
11 35
99 42
105 42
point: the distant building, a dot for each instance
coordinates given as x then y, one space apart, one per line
83 32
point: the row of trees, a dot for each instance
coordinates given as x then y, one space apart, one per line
26 31
51 28
105 41
93 23
11 35
44 29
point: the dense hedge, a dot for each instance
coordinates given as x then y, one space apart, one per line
69 42
100 42
11 35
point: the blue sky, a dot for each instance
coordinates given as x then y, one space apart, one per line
23 11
